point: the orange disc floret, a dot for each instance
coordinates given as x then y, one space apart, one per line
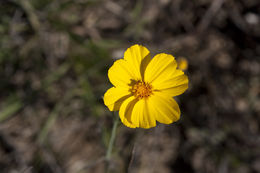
141 90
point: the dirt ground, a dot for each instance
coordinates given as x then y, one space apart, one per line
54 57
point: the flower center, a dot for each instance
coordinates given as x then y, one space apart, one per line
141 90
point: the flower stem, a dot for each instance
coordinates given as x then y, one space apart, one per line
112 138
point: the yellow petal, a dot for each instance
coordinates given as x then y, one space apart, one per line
162 74
142 115
120 74
161 65
164 108
138 57
125 111
114 97
173 86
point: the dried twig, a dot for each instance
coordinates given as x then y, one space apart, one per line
212 10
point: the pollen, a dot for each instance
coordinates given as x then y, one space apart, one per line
141 90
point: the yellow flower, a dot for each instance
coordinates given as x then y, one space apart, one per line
144 87
182 63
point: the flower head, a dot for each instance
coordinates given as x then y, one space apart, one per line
144 88
182 63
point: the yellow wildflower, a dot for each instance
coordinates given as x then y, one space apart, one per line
144 87
182 63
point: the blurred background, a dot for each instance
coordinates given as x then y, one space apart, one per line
54 58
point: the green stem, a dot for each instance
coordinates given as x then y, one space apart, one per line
112 138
